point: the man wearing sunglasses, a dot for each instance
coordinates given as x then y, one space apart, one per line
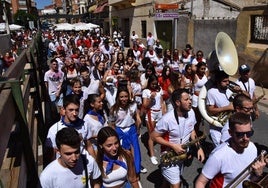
233 156
241 103
247 84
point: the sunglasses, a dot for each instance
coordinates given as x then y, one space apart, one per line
242 134
246 109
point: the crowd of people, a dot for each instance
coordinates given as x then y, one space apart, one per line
104 94
19 41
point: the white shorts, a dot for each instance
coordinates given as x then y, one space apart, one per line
155 115
57 100
194 101
172 174
215 133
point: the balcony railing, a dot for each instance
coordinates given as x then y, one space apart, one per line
259 29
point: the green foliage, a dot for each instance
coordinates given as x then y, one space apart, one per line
22 18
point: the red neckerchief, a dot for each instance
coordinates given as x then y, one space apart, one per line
188 76
199 59
154 90
71 69
200 76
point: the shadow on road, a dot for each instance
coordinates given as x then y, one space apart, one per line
156 178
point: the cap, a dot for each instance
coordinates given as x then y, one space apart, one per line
244 68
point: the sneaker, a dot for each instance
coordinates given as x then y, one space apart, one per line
154 160
143 170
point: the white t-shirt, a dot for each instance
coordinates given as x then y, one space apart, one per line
178 134
177 66
93 125
134 37
55 175
159 64
248 86
218 99
151 56
136 90
195 62
137 55
146 93
52 46
109 51
144 81
125 118
93 88
83 130
225 163
150 41
197 87
53 79
225 132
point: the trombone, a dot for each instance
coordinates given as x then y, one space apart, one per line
242 175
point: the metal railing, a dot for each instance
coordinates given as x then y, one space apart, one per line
21 120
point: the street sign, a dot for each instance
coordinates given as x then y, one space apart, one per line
166 15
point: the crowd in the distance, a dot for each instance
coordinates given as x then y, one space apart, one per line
106 93
19 42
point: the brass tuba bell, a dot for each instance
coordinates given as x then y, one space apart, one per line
224 58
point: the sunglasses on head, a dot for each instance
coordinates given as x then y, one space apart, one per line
242 134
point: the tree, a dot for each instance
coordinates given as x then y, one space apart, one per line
22 18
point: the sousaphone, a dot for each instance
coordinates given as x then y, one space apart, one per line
225 58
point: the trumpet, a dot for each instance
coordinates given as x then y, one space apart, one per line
171 158
242 175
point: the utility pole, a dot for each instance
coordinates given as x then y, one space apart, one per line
5 17
64 6
192 6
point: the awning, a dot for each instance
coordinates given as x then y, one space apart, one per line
100 8
92 8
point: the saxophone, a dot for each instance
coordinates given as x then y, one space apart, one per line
171 158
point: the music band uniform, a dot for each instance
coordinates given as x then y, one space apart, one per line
177 133
219 99
223 160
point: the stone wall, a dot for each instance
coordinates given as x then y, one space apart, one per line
201 34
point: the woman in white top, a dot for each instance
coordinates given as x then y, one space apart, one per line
125 118
94 117
149 70
153 104
199 81
115 163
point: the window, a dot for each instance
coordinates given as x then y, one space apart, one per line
143 29
22 2
259 29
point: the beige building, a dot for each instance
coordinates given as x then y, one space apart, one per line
143 16
197 22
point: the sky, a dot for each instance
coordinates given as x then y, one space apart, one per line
41 3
